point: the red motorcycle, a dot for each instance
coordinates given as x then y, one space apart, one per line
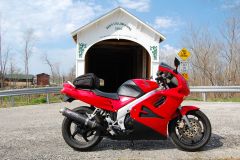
139 110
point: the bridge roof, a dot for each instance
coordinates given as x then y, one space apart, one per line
118 9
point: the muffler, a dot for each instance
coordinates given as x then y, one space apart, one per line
78 118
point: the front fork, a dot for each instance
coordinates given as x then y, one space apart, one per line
184 110
187 121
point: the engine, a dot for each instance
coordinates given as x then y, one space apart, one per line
128 122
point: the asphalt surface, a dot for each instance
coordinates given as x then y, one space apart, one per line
34 132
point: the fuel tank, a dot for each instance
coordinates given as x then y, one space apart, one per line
136 87
146 85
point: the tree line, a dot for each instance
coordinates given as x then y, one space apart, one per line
215 56
8 64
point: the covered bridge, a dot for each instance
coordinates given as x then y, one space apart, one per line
117 47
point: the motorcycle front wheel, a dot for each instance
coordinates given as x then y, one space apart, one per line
194 138
79 136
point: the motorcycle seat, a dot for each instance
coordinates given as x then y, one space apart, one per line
106 95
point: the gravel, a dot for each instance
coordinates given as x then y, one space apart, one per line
34 132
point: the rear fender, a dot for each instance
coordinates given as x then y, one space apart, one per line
185 109
68 99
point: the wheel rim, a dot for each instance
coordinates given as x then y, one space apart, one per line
193 136
82 135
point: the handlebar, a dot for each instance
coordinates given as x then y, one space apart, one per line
165 80
161 79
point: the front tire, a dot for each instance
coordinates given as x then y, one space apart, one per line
79 136
191 139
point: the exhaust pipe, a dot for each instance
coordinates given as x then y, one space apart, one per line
79 118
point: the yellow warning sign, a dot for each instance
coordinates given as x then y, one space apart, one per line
184 54
185 75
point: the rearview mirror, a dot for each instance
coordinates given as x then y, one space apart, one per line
176 62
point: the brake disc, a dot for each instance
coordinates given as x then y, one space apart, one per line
190 133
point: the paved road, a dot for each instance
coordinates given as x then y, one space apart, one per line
34 132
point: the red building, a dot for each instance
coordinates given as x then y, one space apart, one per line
43 79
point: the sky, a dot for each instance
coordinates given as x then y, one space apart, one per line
54 20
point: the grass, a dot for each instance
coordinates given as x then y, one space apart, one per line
233 99
29 100
194 98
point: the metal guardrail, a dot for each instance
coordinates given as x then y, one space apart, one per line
217 89
46 90
29 91
214 89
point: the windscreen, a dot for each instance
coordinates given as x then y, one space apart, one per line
166 66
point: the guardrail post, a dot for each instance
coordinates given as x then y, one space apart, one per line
12 101
204 96
47 98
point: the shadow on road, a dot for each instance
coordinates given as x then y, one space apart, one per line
214 143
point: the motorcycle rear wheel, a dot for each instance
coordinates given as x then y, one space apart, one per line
191 139
79 136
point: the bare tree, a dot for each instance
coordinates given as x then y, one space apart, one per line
3 57
28 40
59 75
51 66
13 69
3 64
231 50
205 60
71 74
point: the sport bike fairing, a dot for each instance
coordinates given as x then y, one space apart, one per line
142 109
157 116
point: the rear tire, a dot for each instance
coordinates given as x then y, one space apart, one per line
78 139
181 135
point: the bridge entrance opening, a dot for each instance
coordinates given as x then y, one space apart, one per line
116 61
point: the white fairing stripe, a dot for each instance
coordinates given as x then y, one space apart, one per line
121 113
